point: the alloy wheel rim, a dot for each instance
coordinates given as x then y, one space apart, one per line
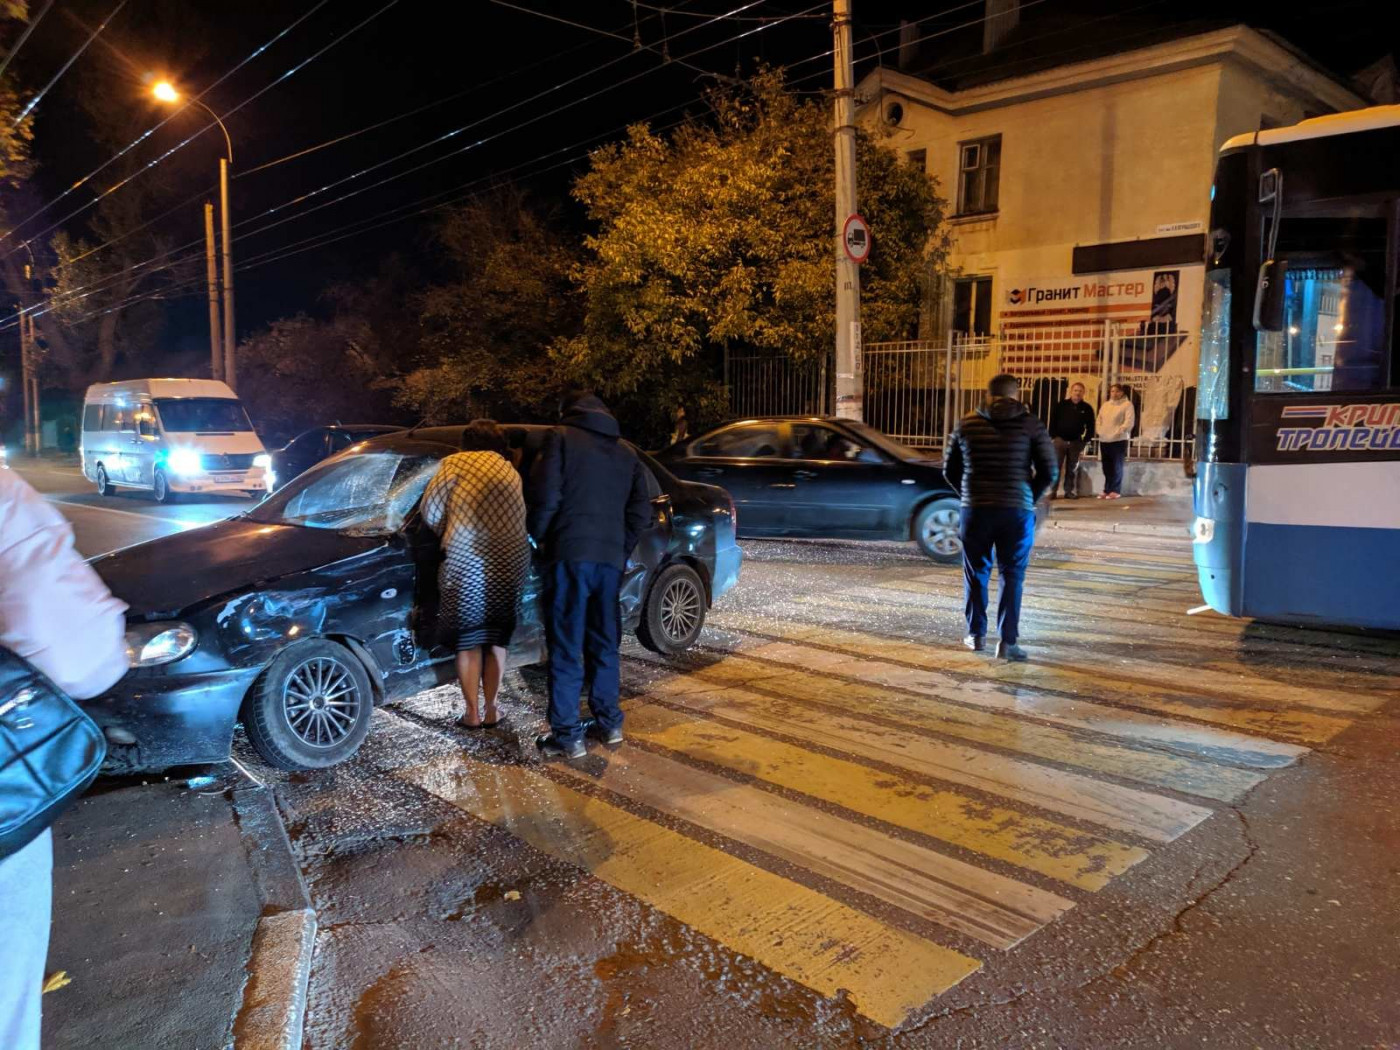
321 701
941 532
162 487
680 609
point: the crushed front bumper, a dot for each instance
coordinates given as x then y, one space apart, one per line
154 721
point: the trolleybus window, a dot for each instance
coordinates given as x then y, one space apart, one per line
1334 332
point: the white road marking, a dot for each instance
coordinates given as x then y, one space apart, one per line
175 523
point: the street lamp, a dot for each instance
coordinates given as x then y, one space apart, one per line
165 91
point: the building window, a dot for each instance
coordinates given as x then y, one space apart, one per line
979 175
972 306
918 158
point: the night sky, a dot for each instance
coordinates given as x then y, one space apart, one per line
468 64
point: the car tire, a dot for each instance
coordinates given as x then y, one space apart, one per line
160 488
104 483
283 720
674 612
937 531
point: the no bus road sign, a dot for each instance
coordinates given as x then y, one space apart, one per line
855 238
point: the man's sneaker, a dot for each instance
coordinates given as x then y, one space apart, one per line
597 732
975 642
551 747
1011 651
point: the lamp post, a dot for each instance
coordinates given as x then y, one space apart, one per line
164 91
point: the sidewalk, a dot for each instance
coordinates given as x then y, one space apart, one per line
1166 516
180 919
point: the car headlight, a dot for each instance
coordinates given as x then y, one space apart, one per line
153 644
264 461
185 461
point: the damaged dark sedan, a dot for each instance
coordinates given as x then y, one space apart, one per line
299 617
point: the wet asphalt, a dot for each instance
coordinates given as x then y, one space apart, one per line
736 881
831 826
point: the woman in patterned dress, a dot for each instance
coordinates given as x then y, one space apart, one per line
475 505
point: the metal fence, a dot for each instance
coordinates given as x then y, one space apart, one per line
775 386
917 391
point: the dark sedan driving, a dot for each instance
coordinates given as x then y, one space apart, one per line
300 616
825 478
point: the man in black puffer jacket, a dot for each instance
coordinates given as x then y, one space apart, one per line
588 505
1002 461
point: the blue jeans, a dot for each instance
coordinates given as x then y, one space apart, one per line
1113 454
1010 533
584 630
26 890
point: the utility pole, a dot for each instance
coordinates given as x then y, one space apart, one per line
29 366
25 364
230 368
38 423
216 342
849 392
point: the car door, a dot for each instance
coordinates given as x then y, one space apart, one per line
747 460
842 486
141 464
121 421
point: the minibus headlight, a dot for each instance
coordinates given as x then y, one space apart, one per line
263 460
186 461
153 644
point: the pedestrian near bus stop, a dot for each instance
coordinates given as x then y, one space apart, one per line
1071 428
588 505
56 613
1001 459
1115 425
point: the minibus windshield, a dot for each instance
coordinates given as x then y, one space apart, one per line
202 415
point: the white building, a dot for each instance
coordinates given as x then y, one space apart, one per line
1079 194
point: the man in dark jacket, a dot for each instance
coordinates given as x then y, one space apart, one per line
588 505
1002 461
1071 428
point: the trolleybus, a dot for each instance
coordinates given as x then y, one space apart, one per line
1297 492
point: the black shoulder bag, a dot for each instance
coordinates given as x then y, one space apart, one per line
50 751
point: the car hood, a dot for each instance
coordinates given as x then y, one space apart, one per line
166 576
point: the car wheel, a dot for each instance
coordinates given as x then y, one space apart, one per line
311 708
161 488
104 483
937 531
675 611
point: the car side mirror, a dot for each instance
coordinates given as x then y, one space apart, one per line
661 510
1268 295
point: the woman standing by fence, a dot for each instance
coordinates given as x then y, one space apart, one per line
1115 427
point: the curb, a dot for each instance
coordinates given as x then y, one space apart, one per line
279 964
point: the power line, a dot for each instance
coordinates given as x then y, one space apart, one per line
635 40
486 119
337 140
64 69
91 289
228 113
34 22
151 131
375 185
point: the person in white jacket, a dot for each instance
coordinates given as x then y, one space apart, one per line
57 614
1114 427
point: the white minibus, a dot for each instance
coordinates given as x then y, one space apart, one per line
171 436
